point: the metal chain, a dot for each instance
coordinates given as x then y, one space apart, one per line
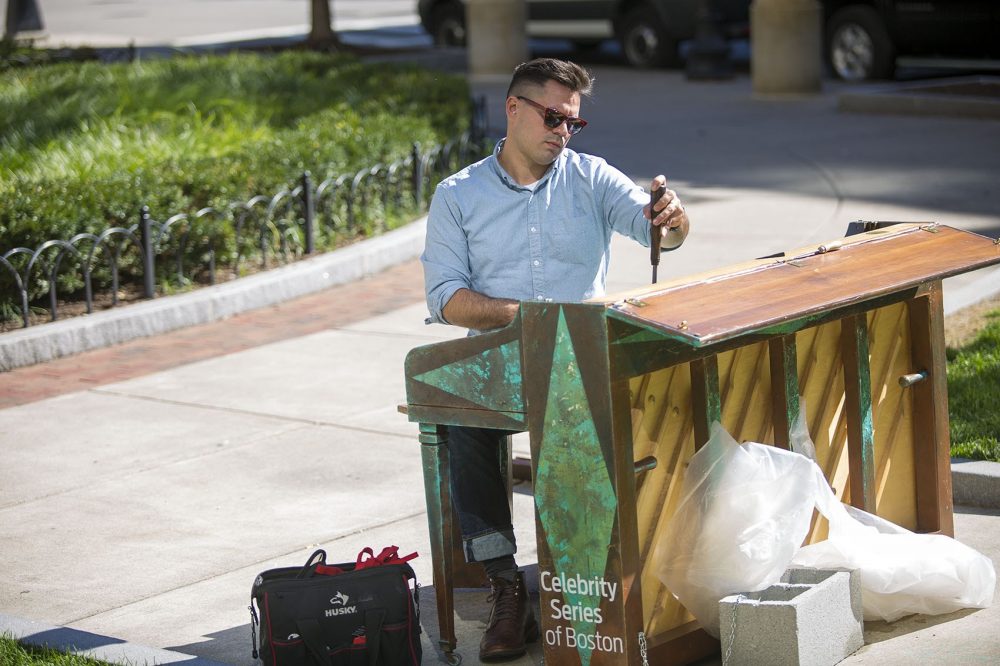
253 630
642 648
732 632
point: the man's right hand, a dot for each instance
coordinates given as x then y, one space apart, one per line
474 310
669 216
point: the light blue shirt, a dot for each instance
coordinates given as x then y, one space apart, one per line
547 242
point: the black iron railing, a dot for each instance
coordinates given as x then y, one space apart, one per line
278 228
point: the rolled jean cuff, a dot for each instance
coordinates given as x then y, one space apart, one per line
489 545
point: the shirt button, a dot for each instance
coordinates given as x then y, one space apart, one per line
537 262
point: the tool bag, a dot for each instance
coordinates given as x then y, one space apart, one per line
362 613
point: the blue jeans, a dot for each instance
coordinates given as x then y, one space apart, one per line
479 490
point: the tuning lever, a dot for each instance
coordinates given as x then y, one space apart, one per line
655 233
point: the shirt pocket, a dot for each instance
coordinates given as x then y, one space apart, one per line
575 239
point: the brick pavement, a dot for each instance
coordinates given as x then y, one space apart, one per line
389 290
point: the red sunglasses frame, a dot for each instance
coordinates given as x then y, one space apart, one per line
553 119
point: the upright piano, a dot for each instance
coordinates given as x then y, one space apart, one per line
618 394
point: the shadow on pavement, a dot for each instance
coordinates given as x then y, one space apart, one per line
223 646
81 640
877 631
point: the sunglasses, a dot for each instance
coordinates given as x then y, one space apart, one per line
554 119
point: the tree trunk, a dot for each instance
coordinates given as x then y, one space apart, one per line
321 34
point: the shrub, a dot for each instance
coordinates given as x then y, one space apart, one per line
84 145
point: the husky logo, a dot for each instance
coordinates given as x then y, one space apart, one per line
339 601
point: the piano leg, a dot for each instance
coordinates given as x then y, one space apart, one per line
449 565
437 489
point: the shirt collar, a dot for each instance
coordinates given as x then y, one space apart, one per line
510 182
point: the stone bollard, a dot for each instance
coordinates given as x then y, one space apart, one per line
21 16
497 41
786 46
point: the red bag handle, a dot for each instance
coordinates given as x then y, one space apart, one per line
389 555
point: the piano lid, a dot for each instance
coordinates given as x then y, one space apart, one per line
710 308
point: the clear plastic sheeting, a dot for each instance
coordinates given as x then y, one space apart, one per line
745 511
901 572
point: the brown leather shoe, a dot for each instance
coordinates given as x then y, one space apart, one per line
512 622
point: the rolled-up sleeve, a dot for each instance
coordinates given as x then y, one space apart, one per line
446 253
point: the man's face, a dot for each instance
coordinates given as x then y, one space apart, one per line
538 144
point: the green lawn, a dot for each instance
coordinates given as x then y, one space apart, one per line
13 653
974 394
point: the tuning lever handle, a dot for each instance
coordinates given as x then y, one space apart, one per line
655 233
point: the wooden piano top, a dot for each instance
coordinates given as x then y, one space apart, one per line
478 380
765 293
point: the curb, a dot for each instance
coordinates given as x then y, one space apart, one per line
95 646
915 99
38 344
975 483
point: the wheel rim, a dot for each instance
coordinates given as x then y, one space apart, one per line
641 45
853 53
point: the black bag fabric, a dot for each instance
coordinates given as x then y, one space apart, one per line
362 613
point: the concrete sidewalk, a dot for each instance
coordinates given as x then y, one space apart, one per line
142 508
143 487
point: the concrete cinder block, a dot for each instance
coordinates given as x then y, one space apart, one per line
813 617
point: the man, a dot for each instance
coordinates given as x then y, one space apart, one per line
531 222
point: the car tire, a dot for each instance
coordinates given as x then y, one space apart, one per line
858 47
447 24
645 42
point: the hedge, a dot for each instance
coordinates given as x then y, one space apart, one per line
84 145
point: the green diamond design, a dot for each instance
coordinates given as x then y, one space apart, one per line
491 379
573 493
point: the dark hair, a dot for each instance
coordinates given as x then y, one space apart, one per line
540 70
